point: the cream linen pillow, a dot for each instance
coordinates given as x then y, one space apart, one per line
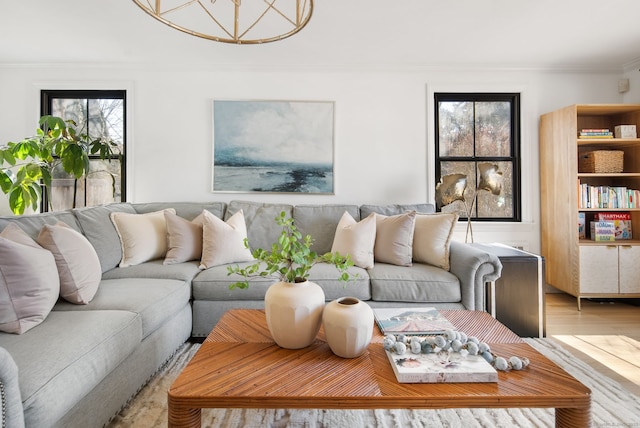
432 238
223 242
29 282
143 237
184 239
394 238
356 239
77 261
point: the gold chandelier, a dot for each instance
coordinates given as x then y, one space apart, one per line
232 21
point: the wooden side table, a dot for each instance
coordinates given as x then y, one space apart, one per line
517 298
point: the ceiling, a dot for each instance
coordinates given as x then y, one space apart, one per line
519 34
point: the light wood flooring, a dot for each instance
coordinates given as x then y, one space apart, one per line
606 335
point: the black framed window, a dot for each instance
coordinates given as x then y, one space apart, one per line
477 143
97 113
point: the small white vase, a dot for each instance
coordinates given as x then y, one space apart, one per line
294 313
348 326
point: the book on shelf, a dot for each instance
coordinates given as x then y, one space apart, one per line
441 367
603 231
621 222
414 321
612 197
582 233
595 133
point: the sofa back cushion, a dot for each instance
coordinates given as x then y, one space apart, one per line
394 209
100 231
320 221
260 219
186 210
32 223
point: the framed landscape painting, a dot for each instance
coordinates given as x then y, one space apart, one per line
273 146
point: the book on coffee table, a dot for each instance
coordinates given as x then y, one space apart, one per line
411 321
441 367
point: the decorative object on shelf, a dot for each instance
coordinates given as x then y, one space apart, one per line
451 357
348 326
452 187
293 305
601 161
30 163
232 21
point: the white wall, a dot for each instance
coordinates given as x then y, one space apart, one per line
383 127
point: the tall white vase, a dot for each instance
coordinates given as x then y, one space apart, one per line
294 313
348 326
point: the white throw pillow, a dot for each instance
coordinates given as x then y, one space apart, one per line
184 239
394 238
356 239
223 242
432 238
143 237
77 261
29 283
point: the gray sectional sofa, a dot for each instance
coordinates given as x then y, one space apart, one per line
81 365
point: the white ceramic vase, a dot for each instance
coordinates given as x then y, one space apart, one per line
348 326
294 313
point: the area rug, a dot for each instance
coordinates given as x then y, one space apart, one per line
611 405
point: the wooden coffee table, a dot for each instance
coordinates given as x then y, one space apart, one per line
239 366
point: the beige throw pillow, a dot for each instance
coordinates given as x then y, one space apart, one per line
184 239
223 242
77 261
29 283
432 238
394 238
143 237
356 239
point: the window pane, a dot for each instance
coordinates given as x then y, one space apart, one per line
498 206
455 128
468 169
493 128
71 109
101 186
106 119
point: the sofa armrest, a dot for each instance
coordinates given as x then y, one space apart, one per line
10 398
474 268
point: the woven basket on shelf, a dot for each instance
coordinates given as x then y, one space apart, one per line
601 161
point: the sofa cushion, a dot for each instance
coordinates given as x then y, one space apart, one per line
320 221
394 209
76 259
356 239
260 219
156 300
223 241
394 238
143 237
432 238
82 348
418 283
156 269
186 210
32 223
184 238
29 282
100 231
213 284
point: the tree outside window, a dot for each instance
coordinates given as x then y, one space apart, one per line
99 114
476 129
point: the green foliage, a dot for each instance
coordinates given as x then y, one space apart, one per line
27 165
290 259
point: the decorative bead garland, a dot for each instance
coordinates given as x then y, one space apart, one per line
451 341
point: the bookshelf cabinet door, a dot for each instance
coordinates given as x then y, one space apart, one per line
629 268
598 269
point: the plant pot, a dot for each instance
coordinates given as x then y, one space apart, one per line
294 313
348 326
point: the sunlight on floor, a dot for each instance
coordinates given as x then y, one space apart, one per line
617 353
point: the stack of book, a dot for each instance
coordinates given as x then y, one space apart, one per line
596 133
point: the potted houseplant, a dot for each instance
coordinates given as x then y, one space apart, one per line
27 165
293 305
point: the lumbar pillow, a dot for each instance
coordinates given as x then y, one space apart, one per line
184 238
223 242
394 238
29 282
143 237
77 261
432 238
356 239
